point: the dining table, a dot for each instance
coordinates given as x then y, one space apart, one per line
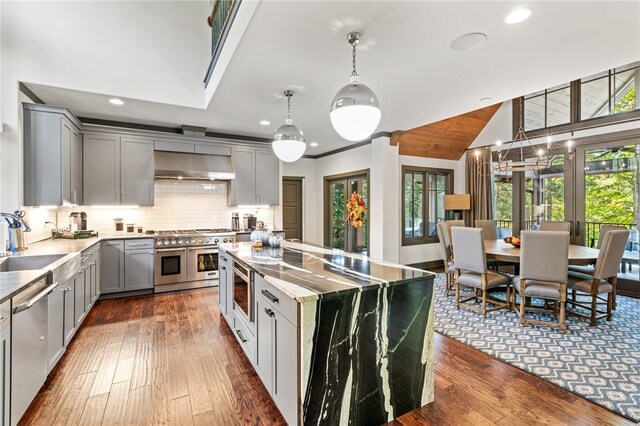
507 252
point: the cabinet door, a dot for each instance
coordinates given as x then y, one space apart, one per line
76 166
69 310
5 353
138 268
55 325
264 342
80 306
222 288
98 272
243 187
230 278
137 169
66 128
285 384
267 179
112 266
94 280
101 169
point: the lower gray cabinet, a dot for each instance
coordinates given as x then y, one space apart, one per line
112 266
69 310
138 269
276 357
5 365
55 325
225 286
80 297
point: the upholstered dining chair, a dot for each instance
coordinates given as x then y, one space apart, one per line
489 228
450 224
553 225
544 257
589 269
445 251
602 281
471 271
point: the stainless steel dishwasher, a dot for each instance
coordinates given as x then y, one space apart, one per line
29 345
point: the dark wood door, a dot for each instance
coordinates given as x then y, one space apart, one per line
292 207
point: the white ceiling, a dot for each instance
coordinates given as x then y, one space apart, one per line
404 57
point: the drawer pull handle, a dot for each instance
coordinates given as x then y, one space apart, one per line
269 312
139 244
242 339
270 296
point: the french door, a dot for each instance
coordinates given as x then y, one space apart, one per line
339 233
607 192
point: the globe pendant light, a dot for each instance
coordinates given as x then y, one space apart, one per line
355 111
288 142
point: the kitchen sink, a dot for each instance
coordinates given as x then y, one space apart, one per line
24 263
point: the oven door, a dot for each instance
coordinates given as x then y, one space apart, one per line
202 264
170 266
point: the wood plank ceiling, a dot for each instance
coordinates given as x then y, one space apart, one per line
447 139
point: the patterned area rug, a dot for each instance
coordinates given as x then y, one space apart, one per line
600 363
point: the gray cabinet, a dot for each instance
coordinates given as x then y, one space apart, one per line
80 297
52 156
55 325
257 179
136 171
276 350
69 320
138 268
112 266
117 170
5 363
101 169
225 285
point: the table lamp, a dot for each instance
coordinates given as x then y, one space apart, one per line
457 203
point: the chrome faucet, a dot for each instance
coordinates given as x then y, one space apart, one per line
18 221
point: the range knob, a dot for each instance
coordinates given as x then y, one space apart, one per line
200 241
215 241
180 242
193 241
225 240
174 242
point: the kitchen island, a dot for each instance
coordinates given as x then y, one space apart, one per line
336 337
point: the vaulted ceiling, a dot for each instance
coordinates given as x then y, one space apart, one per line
446 139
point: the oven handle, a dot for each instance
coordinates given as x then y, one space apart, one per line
168 250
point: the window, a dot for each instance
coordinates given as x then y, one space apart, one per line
423 203
548 108
610 92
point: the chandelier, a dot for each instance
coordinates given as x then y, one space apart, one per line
520 155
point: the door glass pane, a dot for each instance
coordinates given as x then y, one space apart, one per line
529 217
549 192
170 265
337 215
357 237
611 198
207 262
502 203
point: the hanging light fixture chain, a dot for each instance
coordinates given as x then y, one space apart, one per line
354 39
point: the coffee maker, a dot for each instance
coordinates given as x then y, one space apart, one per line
249 222
77 221
235 221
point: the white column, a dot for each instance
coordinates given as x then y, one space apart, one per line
385 201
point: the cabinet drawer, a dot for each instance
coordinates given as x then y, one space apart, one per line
245 338
287 306
5 314
136 244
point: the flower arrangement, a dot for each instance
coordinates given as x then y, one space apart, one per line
356 210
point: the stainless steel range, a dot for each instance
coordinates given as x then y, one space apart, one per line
187 259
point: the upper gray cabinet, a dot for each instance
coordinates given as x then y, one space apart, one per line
117 170
52 156
257 179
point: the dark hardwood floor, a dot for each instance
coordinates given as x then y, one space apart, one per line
170 359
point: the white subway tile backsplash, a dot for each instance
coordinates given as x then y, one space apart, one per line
178 205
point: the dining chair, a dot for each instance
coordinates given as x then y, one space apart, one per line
544 257
602 281
445 251
589 269
470 263
555 225
489 228
450 224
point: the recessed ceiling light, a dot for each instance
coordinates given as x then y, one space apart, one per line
313 144
468 42
116 101
519 15
485 99
264 122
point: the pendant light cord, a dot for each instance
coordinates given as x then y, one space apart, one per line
354 38
288 94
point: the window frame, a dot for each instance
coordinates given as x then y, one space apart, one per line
425 171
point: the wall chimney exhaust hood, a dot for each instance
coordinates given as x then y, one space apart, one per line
176 165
